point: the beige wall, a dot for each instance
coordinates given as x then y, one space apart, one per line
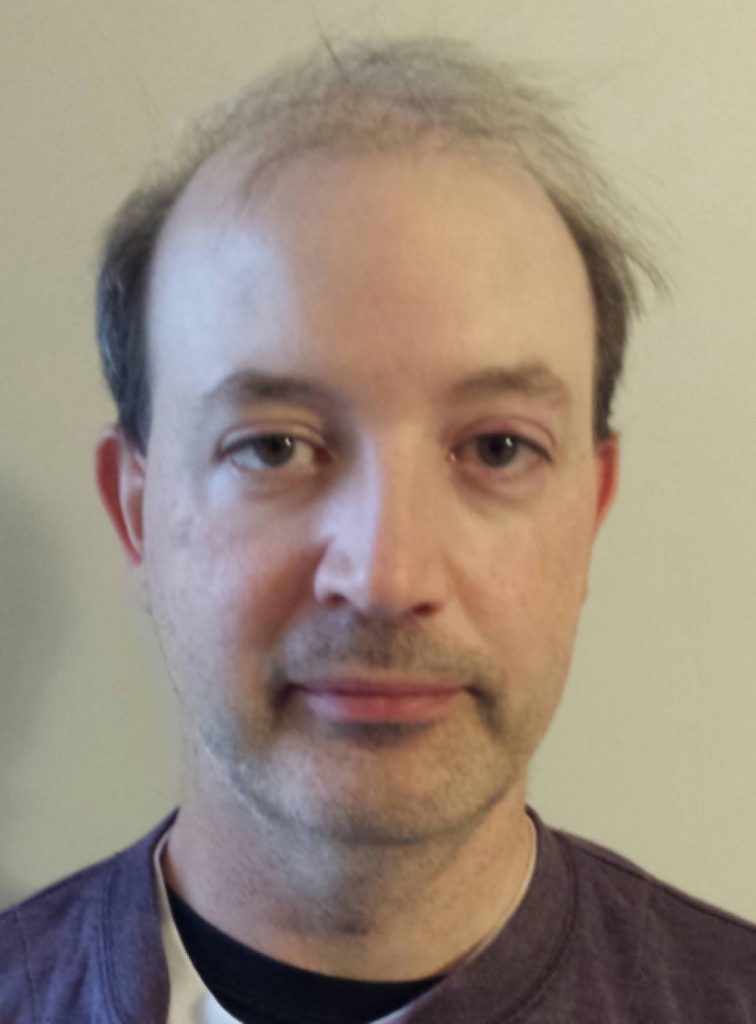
654 751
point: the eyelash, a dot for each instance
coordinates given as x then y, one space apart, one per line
516 445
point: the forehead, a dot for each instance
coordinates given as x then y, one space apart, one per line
415 267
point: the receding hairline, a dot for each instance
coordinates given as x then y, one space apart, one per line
371 97
238 172
402 96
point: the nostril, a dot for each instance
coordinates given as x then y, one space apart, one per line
425 609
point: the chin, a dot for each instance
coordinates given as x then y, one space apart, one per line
365 811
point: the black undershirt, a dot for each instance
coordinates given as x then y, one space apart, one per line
258 990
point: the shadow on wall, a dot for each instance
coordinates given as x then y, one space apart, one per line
33 616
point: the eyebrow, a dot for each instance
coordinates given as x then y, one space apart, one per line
533 380
251 387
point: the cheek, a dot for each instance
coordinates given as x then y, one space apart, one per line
235 585
531 577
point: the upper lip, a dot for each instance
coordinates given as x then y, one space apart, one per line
378 686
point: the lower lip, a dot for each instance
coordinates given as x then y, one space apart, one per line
354 707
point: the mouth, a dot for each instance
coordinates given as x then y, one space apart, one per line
380 701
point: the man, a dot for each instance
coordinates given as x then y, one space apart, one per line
363 344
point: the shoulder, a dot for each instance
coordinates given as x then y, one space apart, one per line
661 902
39 934
51 944
682 949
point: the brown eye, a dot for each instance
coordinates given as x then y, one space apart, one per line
272 451
497 450
502 451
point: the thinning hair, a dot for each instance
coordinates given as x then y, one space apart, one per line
366 98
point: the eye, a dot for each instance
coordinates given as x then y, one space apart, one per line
273 451
503 451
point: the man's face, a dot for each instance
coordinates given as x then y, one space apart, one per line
419 513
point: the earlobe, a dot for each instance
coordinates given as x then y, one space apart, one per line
120 473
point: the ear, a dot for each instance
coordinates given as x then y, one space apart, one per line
120 471
607 477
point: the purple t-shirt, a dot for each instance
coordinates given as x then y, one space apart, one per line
595 941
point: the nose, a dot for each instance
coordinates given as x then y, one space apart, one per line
383 549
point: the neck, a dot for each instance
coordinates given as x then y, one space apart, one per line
374 912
